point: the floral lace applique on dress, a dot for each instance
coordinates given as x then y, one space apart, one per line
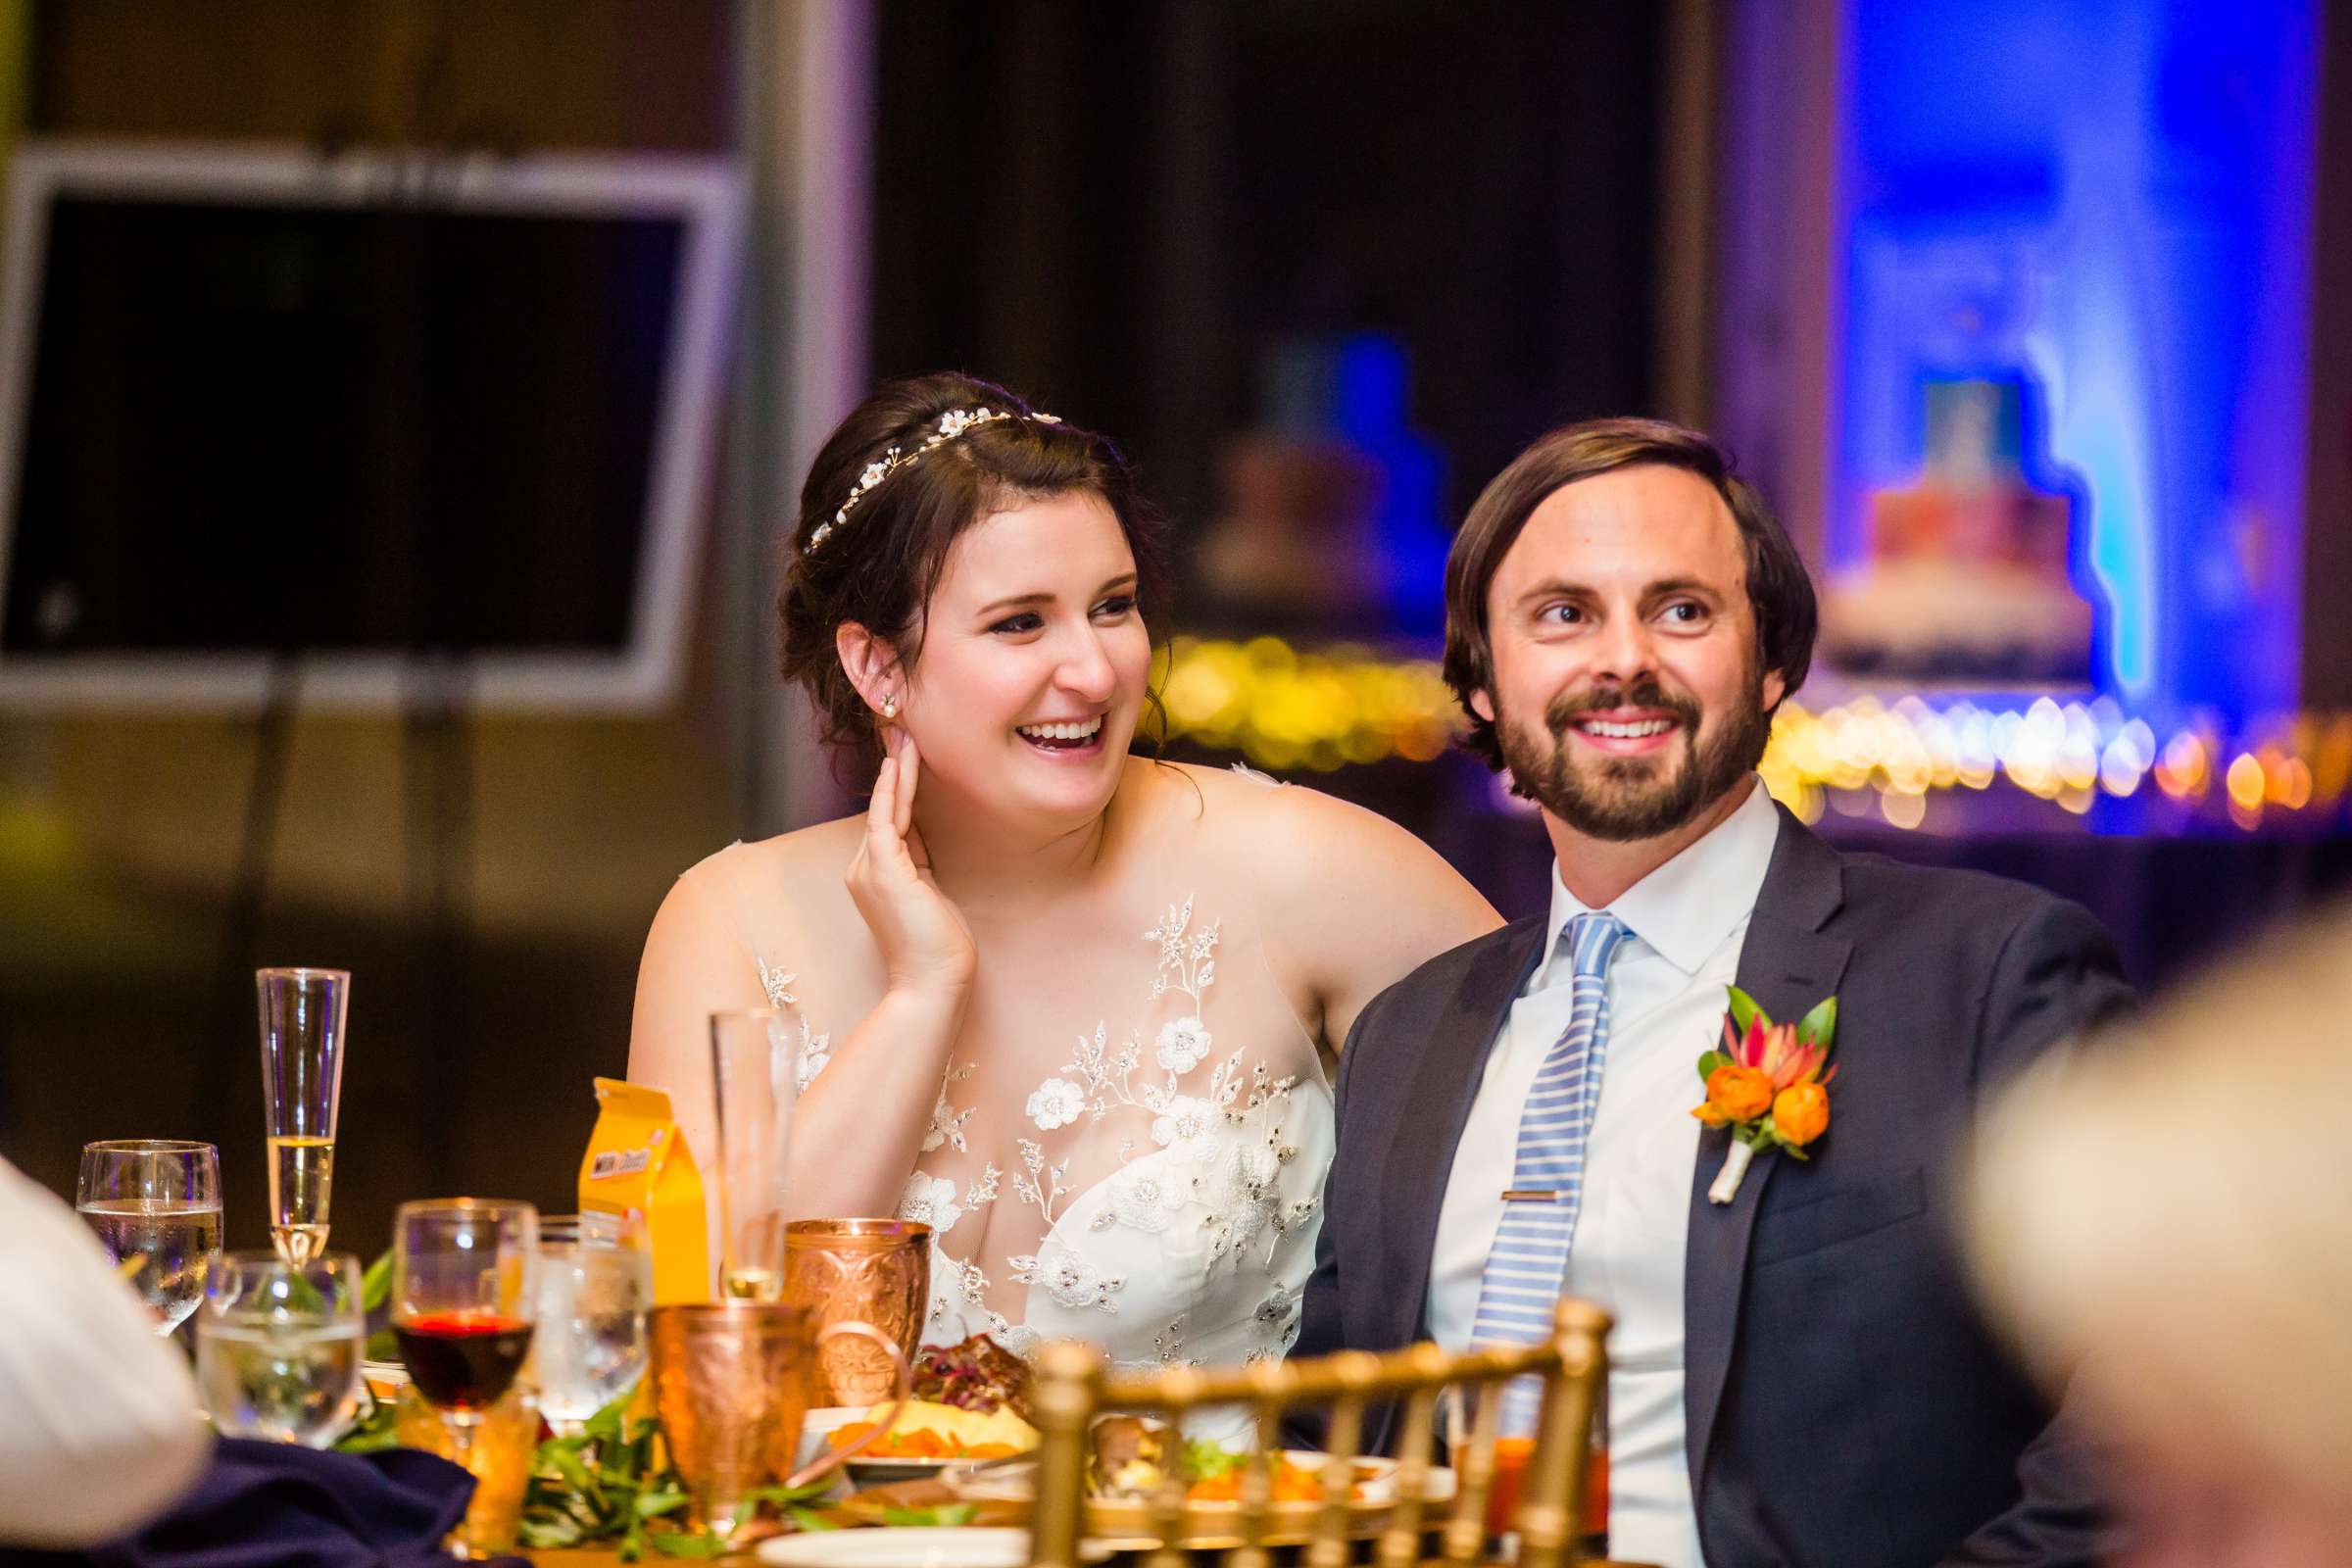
1154 1190
816 1050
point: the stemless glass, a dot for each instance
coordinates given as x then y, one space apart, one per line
302 1084
596 1283
753 1076
277 1346
464 1296
156 1200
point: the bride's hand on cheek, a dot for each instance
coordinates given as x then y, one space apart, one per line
926 946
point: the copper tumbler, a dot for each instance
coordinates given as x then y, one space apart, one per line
875 1271
731 1391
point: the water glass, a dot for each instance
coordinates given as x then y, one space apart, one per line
158 1202
301 1012
755 1068
277 1346
596 1283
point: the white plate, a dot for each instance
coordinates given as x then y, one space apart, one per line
899 1546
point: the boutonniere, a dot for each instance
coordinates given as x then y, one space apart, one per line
1766 1084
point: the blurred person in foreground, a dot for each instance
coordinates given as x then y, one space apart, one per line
2173 1220
1066 1005
99 1429
1798 1377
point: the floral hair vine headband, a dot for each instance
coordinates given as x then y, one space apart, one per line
952 424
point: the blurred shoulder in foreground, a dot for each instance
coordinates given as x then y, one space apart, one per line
99 1427
2163 1217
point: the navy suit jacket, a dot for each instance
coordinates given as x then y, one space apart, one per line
1845 1408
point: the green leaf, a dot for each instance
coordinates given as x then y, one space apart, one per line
544 1532
654 1504
947 1515
375 1286
1818 1026
784 1497
808 1519
1744 1010
373 1431
605 1425
567 1467
683 1544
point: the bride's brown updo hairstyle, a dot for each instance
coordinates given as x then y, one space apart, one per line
879 564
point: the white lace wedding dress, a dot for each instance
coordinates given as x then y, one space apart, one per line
1132 1154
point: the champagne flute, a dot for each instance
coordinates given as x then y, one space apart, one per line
277 1346
465 1296
301 1012
156 1206
754 1078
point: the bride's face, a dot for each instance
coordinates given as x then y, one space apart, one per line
1034 661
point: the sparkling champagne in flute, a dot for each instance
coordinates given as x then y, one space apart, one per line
156 1206
301 1015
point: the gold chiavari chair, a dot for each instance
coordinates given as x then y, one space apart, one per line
1073 1387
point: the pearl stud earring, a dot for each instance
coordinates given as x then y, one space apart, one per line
890 705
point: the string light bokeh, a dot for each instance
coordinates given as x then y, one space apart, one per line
1289 709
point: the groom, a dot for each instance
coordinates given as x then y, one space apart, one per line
1799 1377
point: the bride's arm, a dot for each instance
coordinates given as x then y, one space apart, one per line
858 1129
1354 904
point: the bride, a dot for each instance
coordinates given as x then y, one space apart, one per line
1071 1006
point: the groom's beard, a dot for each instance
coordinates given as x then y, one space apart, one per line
1622 799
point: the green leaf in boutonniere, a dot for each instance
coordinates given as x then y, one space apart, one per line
1743 1011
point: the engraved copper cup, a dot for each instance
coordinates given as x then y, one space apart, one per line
875 1271
731 1391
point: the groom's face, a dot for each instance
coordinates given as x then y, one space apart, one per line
1628 691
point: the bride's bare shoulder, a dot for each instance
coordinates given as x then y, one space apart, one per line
1257 814
1298 842
790 870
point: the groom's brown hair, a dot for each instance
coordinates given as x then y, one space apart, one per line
1778 587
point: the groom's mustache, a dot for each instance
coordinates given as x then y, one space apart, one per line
1567 707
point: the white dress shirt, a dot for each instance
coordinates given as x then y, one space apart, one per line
1687 919
98 1417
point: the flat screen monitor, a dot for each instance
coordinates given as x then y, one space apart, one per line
262 406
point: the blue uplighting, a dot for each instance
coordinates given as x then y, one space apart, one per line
2110 203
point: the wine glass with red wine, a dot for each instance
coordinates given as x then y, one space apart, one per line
464 1294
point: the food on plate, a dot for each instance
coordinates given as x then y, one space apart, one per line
1133 1456
1218 1474
976 1374
929 1430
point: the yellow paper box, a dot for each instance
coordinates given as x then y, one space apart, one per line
638 1163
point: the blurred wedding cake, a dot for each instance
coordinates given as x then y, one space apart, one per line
1967 576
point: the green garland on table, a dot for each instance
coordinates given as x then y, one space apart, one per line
604 1484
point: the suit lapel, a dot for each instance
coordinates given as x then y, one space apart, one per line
1788 966
1445 1081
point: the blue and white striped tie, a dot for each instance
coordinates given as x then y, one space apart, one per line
1530 1255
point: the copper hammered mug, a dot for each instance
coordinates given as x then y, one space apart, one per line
874 1272
731 1382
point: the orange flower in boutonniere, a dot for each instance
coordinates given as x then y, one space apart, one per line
1767 1083
1735 1094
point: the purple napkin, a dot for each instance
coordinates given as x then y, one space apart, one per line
271 1506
